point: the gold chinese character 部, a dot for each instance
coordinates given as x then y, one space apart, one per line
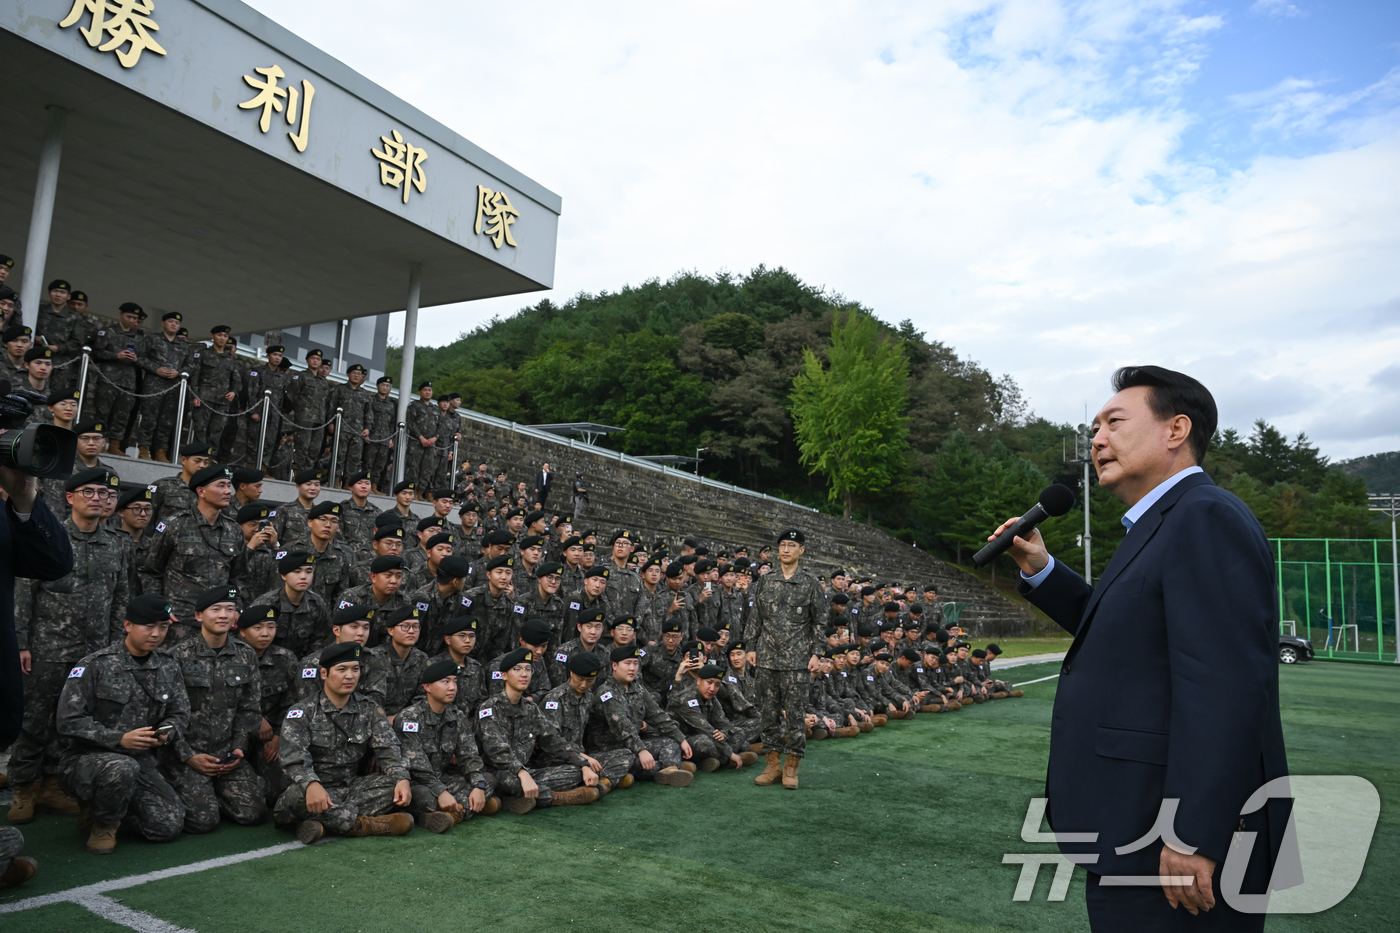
499 214
123 22
401 164
270 96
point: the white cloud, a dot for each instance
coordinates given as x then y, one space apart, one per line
1276 8
1005 174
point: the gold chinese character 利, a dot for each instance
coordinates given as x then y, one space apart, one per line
401 164
269 98
495 208
123 22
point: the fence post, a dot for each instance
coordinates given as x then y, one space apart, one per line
453 481
262 432
400 460
82 385
179 419
335 446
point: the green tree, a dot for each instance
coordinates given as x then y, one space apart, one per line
495 391
849 415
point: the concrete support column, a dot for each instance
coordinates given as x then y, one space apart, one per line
410 337
36 251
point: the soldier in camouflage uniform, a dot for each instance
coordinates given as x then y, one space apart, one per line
590 633
305 402
194 551
493 603
660 662
568 708
292 516
163 357
542 600
623 596
215 382
532 636
400 660
587 599
116 352
383 593
171 495
696 708
337 570
303 617
680 605
257 572
350 625
278 674
224 687
571 556
448 430
785 627
656 602
421 427
509 732
324 739
447 776
441 599
357 515
459 642
353 400
57 623
66 331
382 421
736 695
119 706
631 719
134 516
263 378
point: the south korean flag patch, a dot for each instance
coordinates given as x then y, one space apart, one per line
552 704
410 727
573 606
308 673
295 714
520 610
605 697
281 554
484 713
77 671
422 607
732 679
160 526
497 675
869 678
561 657
466 601
692 702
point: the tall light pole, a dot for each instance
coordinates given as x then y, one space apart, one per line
698 452
1083 454
1389 504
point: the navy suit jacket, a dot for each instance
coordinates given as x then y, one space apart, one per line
38 549
1170 688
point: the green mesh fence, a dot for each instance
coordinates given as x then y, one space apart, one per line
1339 594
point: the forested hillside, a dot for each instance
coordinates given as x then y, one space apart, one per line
806 395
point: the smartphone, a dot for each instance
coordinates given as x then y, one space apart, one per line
229 760
163 731
707 586
264 525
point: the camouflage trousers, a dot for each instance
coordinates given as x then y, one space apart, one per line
274 781
378 459
126 790
707 746
616 762
213 425
425 801
116 410
240 795
744 733
414 461
158 416
350 455
308 448
782 705
550 779
666 751
36 751
367 795
11 845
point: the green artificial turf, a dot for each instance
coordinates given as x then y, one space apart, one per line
902 829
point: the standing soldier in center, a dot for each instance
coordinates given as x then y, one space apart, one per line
268 377
353 400
381 422
214 382
306 399
421 428
163 356
115 351
785 628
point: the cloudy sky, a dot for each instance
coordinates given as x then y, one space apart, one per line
1054 188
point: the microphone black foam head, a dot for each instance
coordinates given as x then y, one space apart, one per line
1056 500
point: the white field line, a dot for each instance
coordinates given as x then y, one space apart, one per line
108 909
1036 681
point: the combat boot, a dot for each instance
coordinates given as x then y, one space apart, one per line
1018 693
709 765
688 766
747 758
790 763
881 719
604 785
493 806
772 770
21 870
310 832
4 781
103 839
439 821
756 747
53 800
393 824
626 782
818 733
22 808
674 777
846 732
520 805
115 447
1000 695
866 727
575 798
160 456
143 453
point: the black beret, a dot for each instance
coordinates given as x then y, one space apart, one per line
7 262
209 475
402 485
930 588
403 614
59 283
275 348
916 610
100 476
440 538
140 494
439 670
172 316
148 609
530 541
704 566
387 532
598 572
424 385
245 475
287 561
866 631
432 521
498 539
838 573
909 654
385 563
452 567
574 541
314 352
674 569
548 567
686 560
339 654
710 670
350 612
37 353
356 368
622 620
306 476
255 614
706 633
459 624
979 653
220 329
736 646
793 534
518 656
88 427
383 379
591 615
76 295
359 477
584 664
535 632
671 627
321 509
14 332
502 561
624 652
830 630
840 599
882 656
215 594
891 606
253 511
532 517
391 518
64 395
993 648
867 591
466 507
198 449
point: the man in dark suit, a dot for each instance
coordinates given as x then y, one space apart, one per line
1169 691
544 481
34 544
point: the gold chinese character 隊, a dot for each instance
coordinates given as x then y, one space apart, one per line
401 164
495 209
269 98
123 22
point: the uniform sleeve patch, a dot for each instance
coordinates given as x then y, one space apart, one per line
295 714
281 554
606 697
410 727
308 673
422 607
552 704
641 652
561 657
77 671
484 713
868 677
466 601
497 675
520 610
732 679
160 526
573 606
692 702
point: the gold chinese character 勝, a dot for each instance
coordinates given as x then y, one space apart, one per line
401 164
495 208
269 98
124 22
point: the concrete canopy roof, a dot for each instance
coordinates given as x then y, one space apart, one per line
178 209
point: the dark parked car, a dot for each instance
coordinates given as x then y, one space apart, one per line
1292 649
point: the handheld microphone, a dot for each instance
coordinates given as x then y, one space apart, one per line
1054 501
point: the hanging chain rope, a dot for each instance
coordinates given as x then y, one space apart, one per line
125 391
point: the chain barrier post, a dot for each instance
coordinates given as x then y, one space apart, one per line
335 446
179 418
262 430
400 438
452 480
82 385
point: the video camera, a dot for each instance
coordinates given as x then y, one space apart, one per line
37 449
